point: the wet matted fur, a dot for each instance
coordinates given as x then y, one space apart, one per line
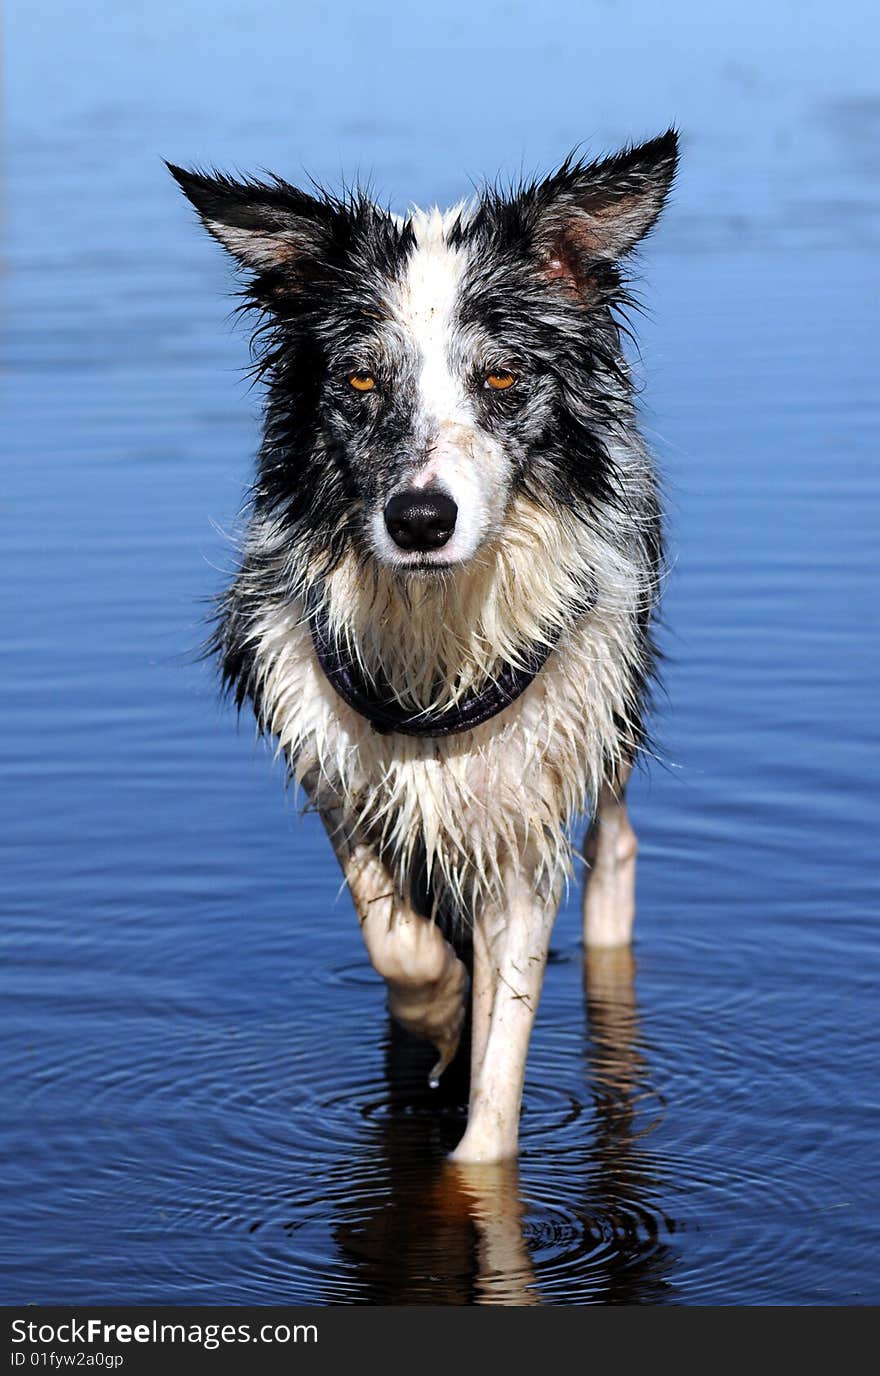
474 353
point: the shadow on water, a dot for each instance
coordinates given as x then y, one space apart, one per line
424 1230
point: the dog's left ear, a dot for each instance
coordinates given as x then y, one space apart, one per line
588 213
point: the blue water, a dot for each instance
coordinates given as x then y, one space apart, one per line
202 1098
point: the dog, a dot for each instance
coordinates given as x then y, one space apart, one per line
452 556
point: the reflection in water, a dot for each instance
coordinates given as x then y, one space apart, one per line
580 1225
411 1236
505 1273
619 1077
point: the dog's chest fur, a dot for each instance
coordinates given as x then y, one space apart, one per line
471 805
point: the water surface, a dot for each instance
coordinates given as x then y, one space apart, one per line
203 1100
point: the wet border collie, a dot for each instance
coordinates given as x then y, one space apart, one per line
452 554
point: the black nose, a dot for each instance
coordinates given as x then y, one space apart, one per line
420 520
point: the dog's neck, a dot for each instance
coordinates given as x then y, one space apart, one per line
435 639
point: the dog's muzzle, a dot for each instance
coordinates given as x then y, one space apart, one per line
420 519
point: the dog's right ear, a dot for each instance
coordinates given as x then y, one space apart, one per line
265 225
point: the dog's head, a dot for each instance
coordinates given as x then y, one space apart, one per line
424 369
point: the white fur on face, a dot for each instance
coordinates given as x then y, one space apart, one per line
462 460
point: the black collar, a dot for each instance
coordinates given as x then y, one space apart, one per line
385 714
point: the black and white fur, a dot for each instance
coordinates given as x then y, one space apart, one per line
556 541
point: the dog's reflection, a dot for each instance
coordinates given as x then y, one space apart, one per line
503 1272
428 1231
627 1184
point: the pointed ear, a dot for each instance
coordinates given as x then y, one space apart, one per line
265 225
597 212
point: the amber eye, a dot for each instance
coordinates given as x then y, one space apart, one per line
362 382
499 382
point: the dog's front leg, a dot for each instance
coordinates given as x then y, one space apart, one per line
427 983
510 955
